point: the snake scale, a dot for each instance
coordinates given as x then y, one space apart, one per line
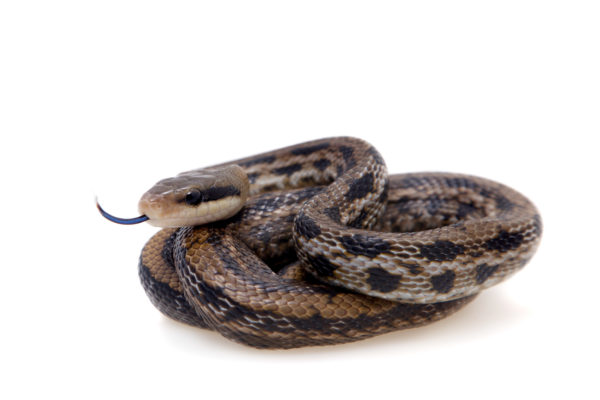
315 244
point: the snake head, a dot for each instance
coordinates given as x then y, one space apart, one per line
192 198
196 197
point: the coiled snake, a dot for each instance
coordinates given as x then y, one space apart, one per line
314 244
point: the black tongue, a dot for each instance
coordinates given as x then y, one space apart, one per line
122 221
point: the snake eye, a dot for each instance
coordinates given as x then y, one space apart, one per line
193 197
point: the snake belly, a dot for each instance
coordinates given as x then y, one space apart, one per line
330 249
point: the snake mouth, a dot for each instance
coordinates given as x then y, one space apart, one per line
122 221
172 214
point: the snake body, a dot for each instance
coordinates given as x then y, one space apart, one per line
330 249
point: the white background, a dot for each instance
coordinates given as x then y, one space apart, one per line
105 98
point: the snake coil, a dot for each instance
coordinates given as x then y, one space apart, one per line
328 248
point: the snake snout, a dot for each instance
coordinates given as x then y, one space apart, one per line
151 205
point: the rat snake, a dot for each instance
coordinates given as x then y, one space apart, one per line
320 246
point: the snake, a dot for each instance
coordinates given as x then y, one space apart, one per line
315 244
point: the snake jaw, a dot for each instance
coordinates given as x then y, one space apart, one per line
162 215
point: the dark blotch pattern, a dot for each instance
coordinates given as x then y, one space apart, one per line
443 283
363 245
226 257
271 202
287 170
386 191
503 203
347 153
360 187
465 209
360 220
434 204
505 241
268 203
413 269
322 164
167 251
333 213
321 265
484 271
486 193
252 177
269 188
260 160
307 193
441 250
305 151
306 226
460 183
382 281
413 182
